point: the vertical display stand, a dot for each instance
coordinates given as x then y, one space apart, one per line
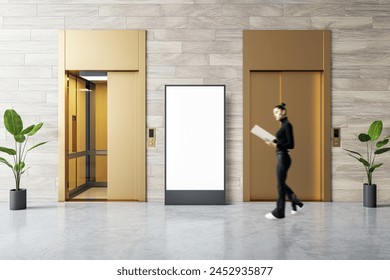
195 145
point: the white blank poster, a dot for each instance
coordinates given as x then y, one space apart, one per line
195 137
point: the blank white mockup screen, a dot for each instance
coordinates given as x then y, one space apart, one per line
195 137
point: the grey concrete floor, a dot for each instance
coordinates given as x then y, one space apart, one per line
123 230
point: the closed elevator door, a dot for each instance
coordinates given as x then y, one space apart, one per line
302 92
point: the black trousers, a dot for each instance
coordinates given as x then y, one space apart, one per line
283 164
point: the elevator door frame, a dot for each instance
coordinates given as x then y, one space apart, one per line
110 51
288 50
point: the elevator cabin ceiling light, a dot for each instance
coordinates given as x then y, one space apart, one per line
94 75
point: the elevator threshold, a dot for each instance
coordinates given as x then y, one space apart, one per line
97 194
93 193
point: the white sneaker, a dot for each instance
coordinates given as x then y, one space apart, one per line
270 216
293 212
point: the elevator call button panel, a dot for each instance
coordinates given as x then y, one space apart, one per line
151 137
336 137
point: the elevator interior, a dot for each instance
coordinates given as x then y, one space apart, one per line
87 137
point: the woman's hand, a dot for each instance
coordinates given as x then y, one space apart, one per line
270 144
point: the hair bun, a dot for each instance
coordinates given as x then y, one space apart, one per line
281 106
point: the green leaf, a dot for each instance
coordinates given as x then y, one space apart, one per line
356 153
19 166
13 122
375 130
25 170
11 152
3 160
37 145
382 143
20 138
364 137
381 151
353 156
35 129
27 130
362 160
365 162
374 167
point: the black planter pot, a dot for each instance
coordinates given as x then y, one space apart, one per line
369 195
18 199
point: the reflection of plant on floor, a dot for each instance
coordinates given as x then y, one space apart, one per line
14 125
374 132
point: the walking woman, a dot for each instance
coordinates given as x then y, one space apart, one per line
283 142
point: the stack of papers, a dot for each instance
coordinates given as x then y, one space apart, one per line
262 133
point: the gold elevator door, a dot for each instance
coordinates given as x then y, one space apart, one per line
301 91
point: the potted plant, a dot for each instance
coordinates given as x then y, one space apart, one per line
374 147
14 125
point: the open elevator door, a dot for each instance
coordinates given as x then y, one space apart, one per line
120 53
126 136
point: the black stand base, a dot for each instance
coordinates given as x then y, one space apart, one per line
195 197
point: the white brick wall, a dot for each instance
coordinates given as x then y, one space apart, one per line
195 42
